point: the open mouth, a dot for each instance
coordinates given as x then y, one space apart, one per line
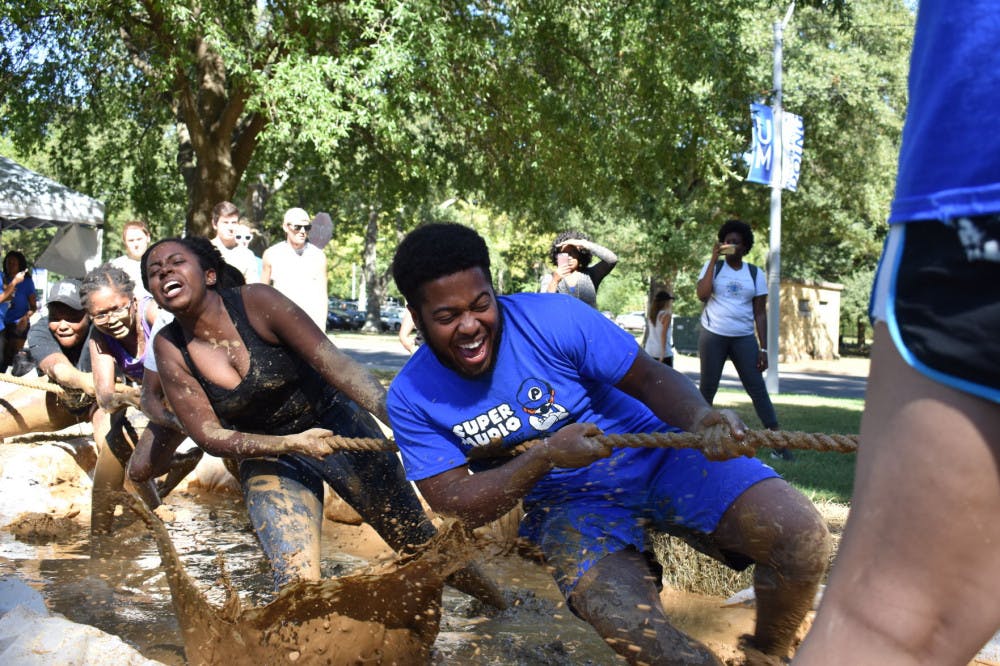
473 353
170 288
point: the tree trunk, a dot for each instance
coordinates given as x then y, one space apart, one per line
374 287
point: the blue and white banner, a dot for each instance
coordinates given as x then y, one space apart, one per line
764 167
762 151
792 136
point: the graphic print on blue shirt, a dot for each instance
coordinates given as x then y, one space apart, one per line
558 361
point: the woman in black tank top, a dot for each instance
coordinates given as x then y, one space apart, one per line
252 378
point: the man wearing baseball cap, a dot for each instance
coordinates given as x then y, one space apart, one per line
58 344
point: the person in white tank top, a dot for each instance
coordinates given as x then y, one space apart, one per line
658 338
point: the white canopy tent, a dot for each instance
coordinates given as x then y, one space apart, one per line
29 200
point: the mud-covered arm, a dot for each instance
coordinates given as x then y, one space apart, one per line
278 319
477 499
153 401
674 398
61 371
110 397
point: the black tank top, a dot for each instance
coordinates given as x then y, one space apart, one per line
281 394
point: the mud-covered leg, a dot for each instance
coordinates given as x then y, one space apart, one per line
777 527
618 596
375 485
285 503
373 482
108 474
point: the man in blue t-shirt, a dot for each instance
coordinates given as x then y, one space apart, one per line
495 372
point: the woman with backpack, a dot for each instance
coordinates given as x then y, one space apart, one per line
735 317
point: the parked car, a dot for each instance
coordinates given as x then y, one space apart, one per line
632 321
344 315
392 317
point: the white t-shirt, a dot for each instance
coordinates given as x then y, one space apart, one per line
162 319
242 259
301 276
134 270
729 311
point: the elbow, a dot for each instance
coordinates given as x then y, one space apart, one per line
106 402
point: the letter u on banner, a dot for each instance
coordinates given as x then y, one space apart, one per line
762 153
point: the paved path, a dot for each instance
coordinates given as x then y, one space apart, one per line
843 378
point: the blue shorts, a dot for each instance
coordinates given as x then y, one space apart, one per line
936 289
677 491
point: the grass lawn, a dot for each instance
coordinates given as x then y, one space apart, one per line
823 477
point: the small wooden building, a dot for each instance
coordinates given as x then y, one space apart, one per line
810 320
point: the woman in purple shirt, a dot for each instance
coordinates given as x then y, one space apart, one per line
118 345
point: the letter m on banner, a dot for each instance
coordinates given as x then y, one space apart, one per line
762 153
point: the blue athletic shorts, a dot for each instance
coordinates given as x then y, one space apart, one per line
677 491
938 290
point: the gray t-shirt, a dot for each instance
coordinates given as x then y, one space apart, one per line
41 344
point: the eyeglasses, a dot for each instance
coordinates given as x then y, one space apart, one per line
117 313
242 237
300 227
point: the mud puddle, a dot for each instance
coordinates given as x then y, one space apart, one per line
124 592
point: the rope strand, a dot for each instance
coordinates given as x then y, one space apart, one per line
715 443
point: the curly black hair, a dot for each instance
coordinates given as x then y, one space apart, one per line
105 275
740 227
22 262
571 234
208 256
433 251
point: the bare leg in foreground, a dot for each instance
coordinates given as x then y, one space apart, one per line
917 577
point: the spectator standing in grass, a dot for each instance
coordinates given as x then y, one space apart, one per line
658 335
135 237
297 268
226 222
735 296
20 305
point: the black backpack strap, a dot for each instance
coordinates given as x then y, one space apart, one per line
753 270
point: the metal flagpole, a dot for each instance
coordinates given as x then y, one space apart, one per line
774 241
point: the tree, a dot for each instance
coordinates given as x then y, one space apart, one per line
220 72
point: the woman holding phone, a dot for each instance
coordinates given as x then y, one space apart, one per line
572 253
734 292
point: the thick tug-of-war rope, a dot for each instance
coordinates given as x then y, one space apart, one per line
715 442
33 382
43 384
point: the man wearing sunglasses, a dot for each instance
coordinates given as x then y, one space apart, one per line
226 222
297 268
